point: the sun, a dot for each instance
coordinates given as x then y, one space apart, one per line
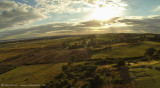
104 12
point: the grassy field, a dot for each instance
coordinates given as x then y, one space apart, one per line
145 74
17 48
32 74
40 51
39 61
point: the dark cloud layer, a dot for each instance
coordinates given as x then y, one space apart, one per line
97 23
148 24
142 25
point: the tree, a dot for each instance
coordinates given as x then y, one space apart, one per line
121 63
150 51
60 76
64 68
71 60
95 81
158 52
86 85
156 37
64 45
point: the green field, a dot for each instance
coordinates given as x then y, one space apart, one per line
146 77
127 50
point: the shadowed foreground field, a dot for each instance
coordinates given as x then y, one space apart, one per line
32 74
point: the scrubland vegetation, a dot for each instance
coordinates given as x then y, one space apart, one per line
88 61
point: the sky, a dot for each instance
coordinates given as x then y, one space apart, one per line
40 18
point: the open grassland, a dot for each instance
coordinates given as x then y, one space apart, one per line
44 51
40 51
50 55
146 75
148 83
17 48
31 74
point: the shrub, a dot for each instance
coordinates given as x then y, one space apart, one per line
70 75
64 68
92 68
101 62
108 74
86 85
60 76
95 81
157 68
144 59
75 80
121 63
86 74
150 51
118 81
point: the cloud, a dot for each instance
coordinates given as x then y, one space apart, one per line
93 23
7 5
14 14
52 29
149 24
74 6
44 30
61 6
97 23
157 9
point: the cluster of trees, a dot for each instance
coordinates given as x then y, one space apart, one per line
124 37
93 82
73 46
152 53
88 74
93 41
154 37
103 62
87 41
71 74
108 61
81 71
58 84
150 37
108 48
